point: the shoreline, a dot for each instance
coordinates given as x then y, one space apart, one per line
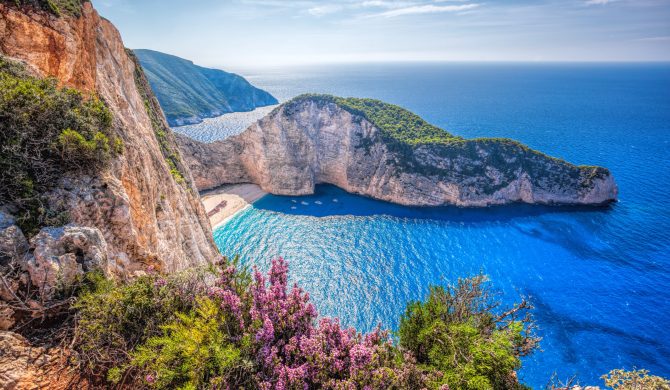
203 118
223 203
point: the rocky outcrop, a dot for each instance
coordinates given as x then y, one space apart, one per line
145 206
24 366
313 140
13 244
214 164
61 255
33 272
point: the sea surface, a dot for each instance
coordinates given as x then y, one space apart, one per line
599 278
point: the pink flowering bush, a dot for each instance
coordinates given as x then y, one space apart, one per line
255 331
231 329
294 353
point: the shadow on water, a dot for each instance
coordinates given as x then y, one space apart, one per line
577 238
329 200
566 329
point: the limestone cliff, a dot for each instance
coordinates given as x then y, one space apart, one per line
145 205
402 159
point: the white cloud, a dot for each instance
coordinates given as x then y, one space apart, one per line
653 39
319 10
383 4
598 2
322 10
425 9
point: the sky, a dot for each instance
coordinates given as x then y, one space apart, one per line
267 33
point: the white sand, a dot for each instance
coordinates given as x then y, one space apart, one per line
224 202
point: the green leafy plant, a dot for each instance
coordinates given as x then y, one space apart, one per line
113 317
75 148
462 331
635 380
192 351
47 132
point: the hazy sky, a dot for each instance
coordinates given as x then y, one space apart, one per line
250 33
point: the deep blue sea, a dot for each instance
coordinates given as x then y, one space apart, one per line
599 279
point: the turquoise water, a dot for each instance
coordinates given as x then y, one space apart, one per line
599 278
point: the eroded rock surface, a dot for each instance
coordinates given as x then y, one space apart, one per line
13 243
32 272
310 141
145 206
26 367
60 256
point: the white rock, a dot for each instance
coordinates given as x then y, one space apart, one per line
61 255
311 141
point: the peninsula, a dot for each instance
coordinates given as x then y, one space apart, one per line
188 93
383 151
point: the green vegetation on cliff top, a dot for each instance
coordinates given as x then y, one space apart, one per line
187 92
56 7
47 132
395 122
404 131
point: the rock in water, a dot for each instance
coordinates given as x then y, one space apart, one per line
379 150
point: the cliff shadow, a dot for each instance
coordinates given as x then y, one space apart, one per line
329 200
572 334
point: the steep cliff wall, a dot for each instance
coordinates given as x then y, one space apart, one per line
188 93
322 139
145 205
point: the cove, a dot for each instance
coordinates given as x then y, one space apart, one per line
599 278
362 260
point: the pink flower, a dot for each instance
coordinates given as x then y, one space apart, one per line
291 350
266 334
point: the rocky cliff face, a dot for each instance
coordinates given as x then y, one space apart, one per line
145 205
25 366
188 93
313 140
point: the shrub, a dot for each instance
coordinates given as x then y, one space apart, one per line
635 380
294 353
462 332
194 350
257 332
113 318
76 149
398 125
252 334
56 7
46 132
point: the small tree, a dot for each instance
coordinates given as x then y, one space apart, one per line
463 332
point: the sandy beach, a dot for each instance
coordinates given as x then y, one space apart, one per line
224 202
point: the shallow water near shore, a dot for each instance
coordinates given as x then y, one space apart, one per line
599 278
